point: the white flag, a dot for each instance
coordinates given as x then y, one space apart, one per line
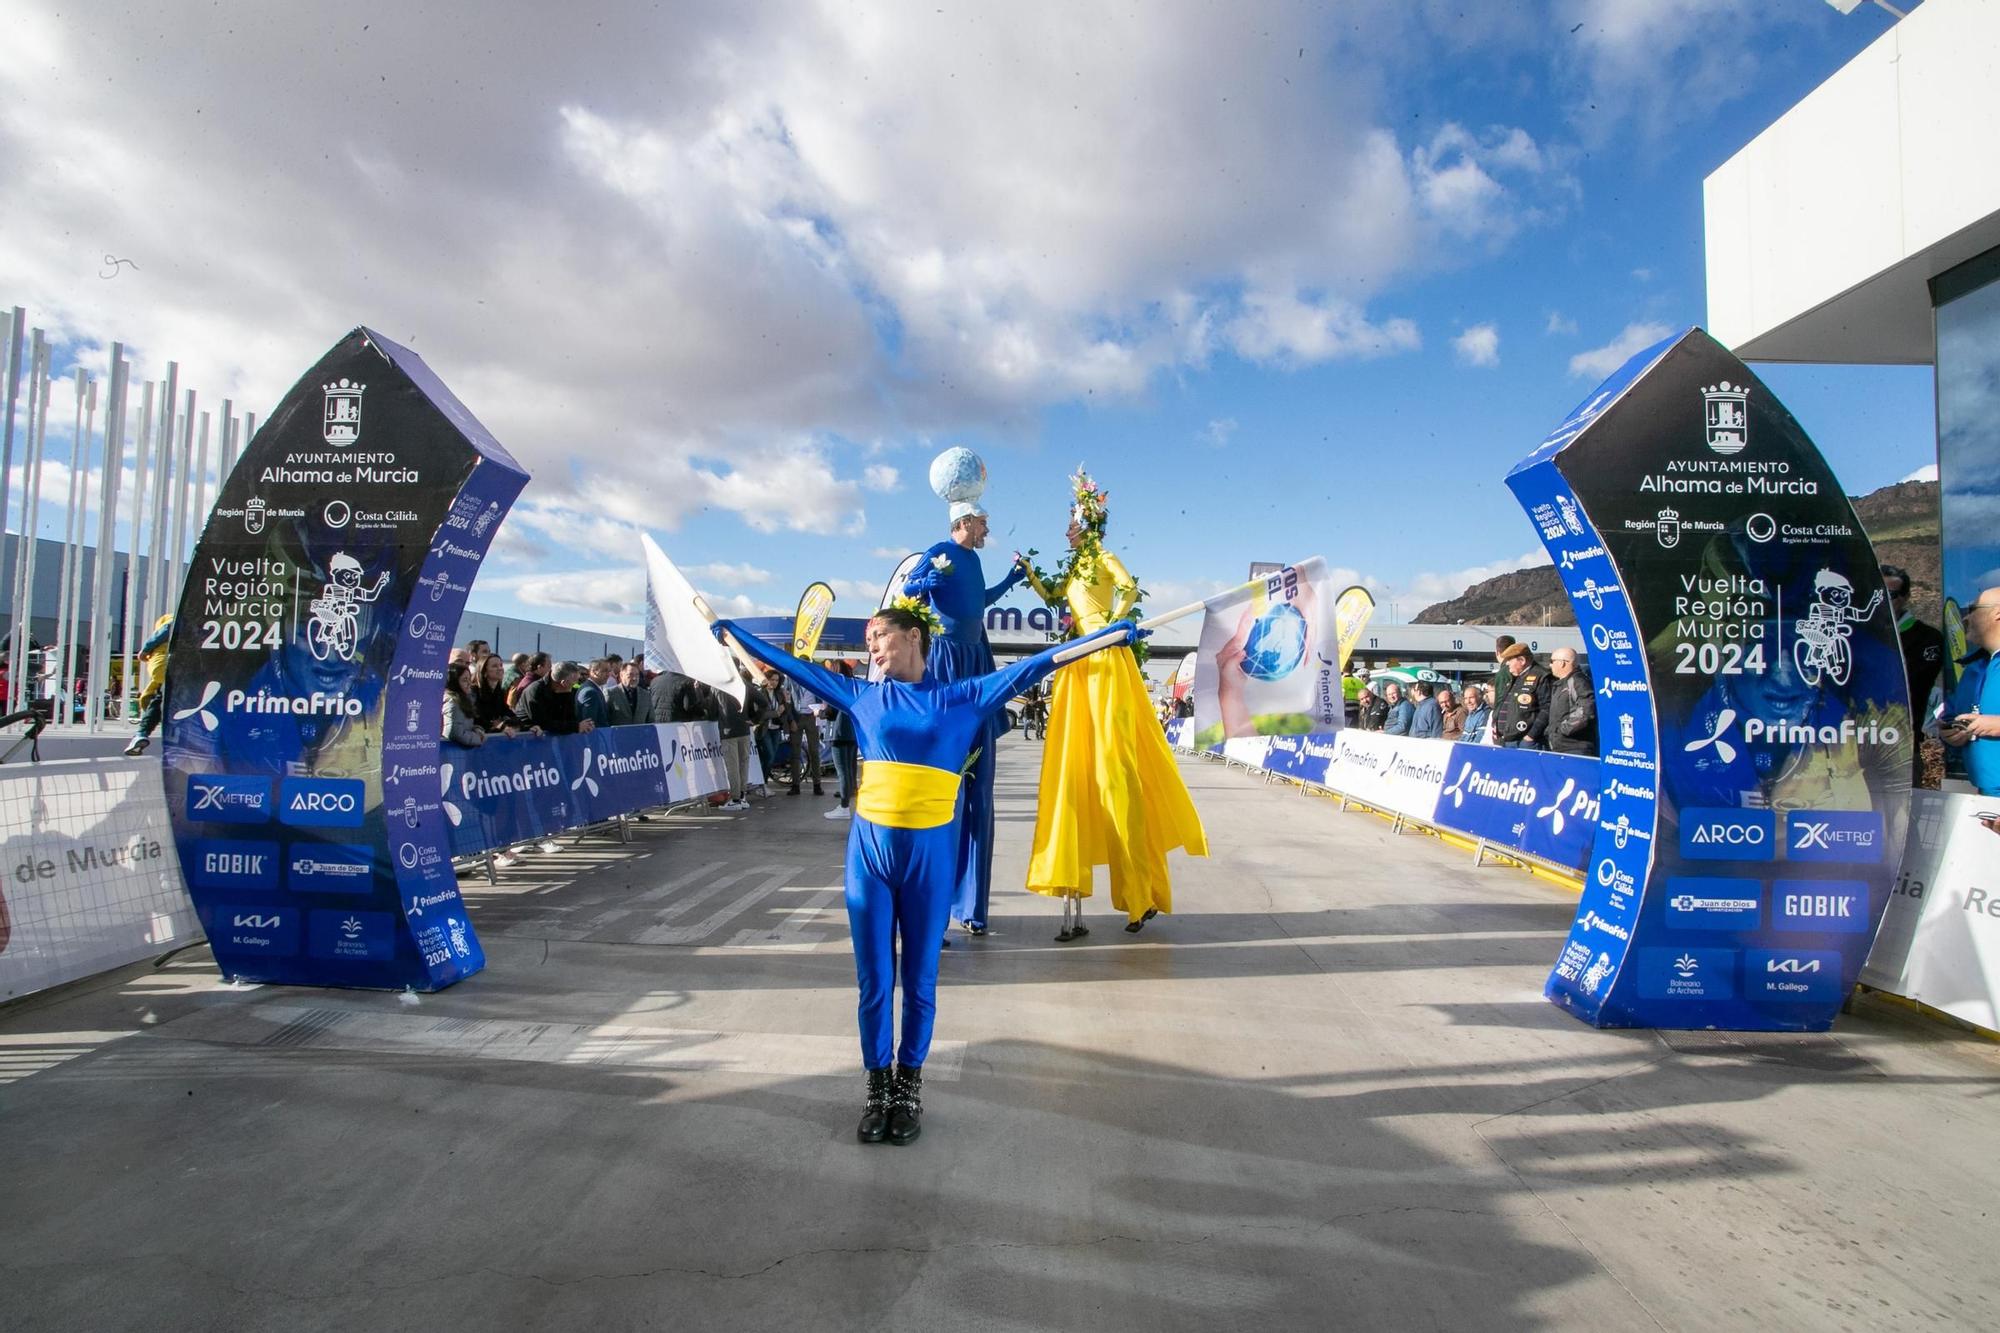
677 634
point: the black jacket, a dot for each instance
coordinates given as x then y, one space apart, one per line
1521 707
1923 659
1572 727
490 710
553 710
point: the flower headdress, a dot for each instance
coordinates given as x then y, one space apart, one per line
921 609
1089 510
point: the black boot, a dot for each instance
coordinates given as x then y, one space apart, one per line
906 1108
875 1111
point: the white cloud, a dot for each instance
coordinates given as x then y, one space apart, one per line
1415 591
1928 472
732 232
728 575
1601 361
1560 323
887 552
1219 430
1283 328
1657 64
1478 345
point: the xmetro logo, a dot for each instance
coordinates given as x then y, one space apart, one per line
228 799
1833 835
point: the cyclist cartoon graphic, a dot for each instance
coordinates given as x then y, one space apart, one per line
1822 647
335 625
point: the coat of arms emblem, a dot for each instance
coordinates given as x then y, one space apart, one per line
342 422
1728 409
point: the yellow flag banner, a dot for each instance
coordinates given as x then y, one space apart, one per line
1351 611
815 605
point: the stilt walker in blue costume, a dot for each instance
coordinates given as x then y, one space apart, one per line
951 582
915 732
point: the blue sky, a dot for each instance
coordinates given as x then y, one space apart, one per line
1290 279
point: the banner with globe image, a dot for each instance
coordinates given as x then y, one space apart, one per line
1270 656
1752 704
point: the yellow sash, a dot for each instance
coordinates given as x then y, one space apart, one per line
906 795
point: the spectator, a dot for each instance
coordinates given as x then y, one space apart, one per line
805 740
590 704
1351 687
152 699
1478 716
734 724
846 751
537 669
1452 711
1572 724
629 701
517 667
692 701
489 699
1426 718
1396 719
779 724
549 702
459 657
1923 660
1501 677
1973 717
460 726
1521 708
477 651
1374 710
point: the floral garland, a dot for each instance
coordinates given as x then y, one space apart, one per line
1090 512
921 609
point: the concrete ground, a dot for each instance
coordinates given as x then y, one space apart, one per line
1325 1093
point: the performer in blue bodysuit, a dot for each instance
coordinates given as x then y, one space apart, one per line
951 580
915 732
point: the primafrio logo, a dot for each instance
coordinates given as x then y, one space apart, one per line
1723 749
341 423
1571 559
584 779
1727 409
317 704
1592 921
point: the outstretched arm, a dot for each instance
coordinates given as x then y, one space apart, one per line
1035 584
814 677
992 691
1006 585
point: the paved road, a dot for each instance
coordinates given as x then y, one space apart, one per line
1324 1094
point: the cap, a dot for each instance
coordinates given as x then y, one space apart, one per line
965 509
1511 648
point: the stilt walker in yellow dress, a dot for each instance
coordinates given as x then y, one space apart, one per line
1111 793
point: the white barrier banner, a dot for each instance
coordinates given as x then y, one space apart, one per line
90 880
1394 773
1940 937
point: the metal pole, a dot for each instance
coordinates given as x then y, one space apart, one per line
201 493
132 590
99 657
183 479
79 446
225 451
16 331
23 677
163 471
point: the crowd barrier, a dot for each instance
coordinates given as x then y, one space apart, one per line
530 787
91 881
1939 942
1527 803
